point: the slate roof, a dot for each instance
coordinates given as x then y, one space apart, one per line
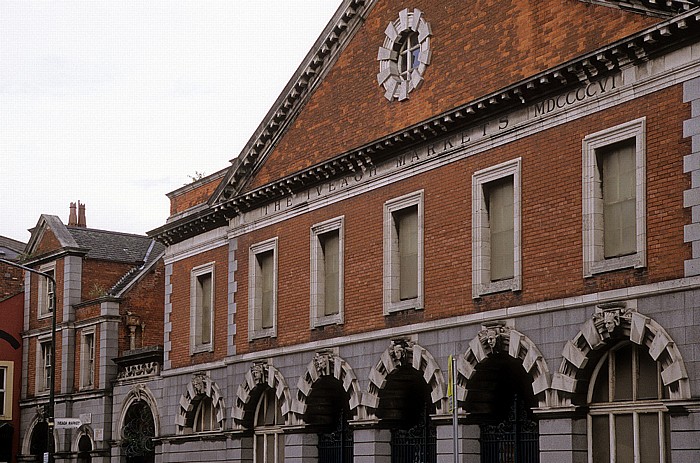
112 246
15 247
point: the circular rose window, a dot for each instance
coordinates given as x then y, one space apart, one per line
405 54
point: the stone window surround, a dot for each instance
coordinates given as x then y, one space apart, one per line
481 279
318 319
255 249
194 273
83 358
389 73
391 285
42 310
594 261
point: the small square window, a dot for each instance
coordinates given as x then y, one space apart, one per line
202 308
403 253
614 198
6 390
262 288
496 257
327 273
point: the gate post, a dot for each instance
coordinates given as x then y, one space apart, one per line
301 448
563 440
372 445
468 436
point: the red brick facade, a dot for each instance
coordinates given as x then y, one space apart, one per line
477 49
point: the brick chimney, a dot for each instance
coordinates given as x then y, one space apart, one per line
73 217
81 215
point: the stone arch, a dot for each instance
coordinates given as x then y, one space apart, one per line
608 325
84 430
328 364
27 439
200 386
497 338
140 393
404 352
258 376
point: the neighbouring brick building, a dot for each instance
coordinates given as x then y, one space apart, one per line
11 316
109 321
515 184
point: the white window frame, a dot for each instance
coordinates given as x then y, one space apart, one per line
481 242
41 385
634 408
195 321
7 389
198 424
317 316
253 303
264 431
87 360
392 301
594 260
43 295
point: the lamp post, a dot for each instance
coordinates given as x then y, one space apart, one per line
52 383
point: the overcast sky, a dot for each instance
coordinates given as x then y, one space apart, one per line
117 103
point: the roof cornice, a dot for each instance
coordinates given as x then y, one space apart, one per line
637 48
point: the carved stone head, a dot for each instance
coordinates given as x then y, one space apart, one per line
198 382
258 371
322 361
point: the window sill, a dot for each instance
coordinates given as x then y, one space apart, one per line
511 284
400 306
615 263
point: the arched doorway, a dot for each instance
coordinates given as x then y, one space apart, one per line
501 399
84 449
405 407
138 433
328 412
39 443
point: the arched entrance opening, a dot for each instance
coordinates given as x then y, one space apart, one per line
39 443
327 413
6 435
501 400
405 407
138 434
84 449
268 439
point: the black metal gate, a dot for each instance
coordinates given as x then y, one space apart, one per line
514 440
138 434
416 444
336 446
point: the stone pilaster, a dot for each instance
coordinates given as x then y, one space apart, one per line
372 445
468 446
301 448
691 165
563 440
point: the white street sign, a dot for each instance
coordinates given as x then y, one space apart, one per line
67 423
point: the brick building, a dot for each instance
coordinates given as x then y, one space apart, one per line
514 184
11 308
108 309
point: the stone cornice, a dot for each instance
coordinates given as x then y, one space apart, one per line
638 48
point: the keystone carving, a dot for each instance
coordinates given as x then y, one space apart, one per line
198 382
259 373
399 351
491 337
322 361
608 318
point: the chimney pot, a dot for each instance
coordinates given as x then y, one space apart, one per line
72 217
81 215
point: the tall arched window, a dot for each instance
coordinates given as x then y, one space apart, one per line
626 417
268 442
205 416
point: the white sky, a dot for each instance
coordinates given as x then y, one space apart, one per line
117 103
